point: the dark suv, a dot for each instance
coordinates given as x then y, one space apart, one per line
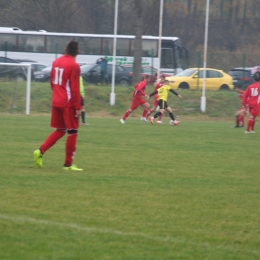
13 72
242 77
91 73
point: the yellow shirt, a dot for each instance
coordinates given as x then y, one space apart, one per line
163 92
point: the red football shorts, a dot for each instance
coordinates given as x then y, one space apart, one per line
136 102
64 117
254 111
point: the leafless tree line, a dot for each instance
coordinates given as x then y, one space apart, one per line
233 23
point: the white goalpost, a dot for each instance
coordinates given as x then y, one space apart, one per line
15 86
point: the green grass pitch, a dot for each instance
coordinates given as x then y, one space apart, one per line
190 191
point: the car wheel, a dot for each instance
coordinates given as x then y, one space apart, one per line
123 82
224 87
184 85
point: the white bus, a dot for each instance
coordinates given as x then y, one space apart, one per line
44 47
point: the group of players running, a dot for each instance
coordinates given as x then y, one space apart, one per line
250 103
160 94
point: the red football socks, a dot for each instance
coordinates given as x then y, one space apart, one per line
237 121
250 124
127 113
242 120
52 139
70 148
145 111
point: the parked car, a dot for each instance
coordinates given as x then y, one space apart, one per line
146 70
12 72
91 73
43 75
192 78
36 66
242 77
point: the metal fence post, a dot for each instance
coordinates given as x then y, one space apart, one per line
56 50
152 63
244 65
6 47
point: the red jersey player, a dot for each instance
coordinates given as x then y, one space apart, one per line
252 98
66 106
240 118
137 100
155 100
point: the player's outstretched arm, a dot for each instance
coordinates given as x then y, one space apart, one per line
155 92
175 93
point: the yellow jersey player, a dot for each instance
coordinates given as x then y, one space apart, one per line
162 102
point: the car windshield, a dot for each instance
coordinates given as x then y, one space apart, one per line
238 72
130 69
48 68
186 73
86 67
148 70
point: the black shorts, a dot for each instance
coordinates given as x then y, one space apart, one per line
162 104
82 102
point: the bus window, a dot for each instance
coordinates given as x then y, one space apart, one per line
7 42
167 59
107 46
132 43
31 43
149 48
56 44
89 45
92 46
122 47
177 56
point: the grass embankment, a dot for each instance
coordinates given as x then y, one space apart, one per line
220 104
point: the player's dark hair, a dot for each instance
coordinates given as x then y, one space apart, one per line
257 76
72 48
147 76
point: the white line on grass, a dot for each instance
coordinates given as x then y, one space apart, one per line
120 233
82 228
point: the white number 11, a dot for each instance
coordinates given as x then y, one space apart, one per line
58 76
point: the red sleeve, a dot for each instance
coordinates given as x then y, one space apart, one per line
158 85
51 76
245 96
141 87
75 86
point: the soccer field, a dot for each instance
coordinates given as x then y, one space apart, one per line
147 192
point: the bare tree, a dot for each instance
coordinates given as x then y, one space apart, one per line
96 16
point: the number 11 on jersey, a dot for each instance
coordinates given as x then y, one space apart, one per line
58 76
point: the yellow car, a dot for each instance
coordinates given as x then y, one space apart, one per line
192 79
